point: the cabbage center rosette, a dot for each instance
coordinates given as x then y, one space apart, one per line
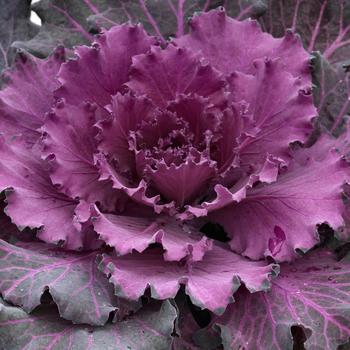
136 146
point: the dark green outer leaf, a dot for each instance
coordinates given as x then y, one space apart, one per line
190 335
14 25
150 328
331 93
72 22
323 25
81 292
313 293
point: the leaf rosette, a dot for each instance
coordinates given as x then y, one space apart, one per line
133 145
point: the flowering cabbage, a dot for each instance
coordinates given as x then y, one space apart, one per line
129 159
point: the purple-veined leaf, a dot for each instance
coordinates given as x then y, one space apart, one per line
81 292
330 93
210 283
14 25
161 18
313 293
323 25
63 23
150 328
71 22
245 8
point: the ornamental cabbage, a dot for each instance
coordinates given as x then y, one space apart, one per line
123 163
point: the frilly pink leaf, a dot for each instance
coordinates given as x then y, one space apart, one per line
127 113
100 71
127 234
22 107
224 196
280 218
210 283
33 201
69 145
231 45
182 183
279 110
162 75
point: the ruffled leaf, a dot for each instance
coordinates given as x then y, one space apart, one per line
162 75
209 283
222 195
33 200
231 45
10 232
127 114
182 183
280 218
23 107
81 292
99 71
150 328
312 293
127 234
70 145
279 109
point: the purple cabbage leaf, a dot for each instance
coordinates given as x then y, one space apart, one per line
167 178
